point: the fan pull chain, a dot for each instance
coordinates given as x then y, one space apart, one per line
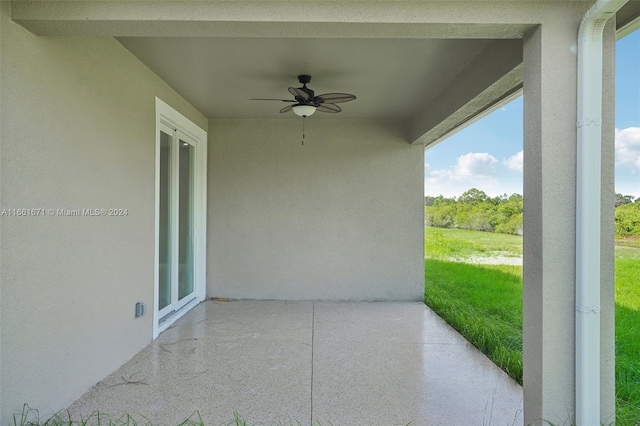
303 130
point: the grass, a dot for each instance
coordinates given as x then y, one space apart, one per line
450 244
31 417
628 332
484 303
494 328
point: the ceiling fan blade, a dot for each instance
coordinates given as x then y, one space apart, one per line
281 100
336 98
287 108
298 92
328 108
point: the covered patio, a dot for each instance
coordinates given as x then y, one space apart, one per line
303 362
100 99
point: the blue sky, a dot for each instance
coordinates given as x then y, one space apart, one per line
488 154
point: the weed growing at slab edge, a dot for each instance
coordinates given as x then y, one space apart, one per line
31 417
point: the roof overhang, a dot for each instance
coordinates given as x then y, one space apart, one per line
435 65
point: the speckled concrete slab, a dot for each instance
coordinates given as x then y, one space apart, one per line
253 358
293 363
386 322
398 364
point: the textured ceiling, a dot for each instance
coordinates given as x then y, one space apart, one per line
392 78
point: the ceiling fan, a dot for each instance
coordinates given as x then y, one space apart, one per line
306 102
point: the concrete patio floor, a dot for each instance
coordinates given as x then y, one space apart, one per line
338 363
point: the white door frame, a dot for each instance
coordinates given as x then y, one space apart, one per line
166 116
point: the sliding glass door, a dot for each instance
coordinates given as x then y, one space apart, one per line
176 236
180 213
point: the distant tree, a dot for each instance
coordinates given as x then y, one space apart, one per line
512 226
441 215
483 217
624 199
512 206
627 220
442 200
499 199
428 200
473 196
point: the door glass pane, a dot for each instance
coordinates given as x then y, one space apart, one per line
164 294
185 213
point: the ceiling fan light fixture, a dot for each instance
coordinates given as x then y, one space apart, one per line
304 110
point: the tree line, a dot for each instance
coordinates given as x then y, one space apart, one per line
475 210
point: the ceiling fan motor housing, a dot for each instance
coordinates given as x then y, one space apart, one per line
310 99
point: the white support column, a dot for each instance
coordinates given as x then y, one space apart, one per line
549 223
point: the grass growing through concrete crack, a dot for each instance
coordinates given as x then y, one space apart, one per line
484 303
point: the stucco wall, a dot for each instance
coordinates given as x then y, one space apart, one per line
339 218
77 131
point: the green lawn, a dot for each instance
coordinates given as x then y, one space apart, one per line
449 244
484 303
628 332
486 309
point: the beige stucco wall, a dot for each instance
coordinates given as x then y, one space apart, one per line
77 131
338 218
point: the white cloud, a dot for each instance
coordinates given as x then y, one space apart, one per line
515 162
476 164
472 170
628 148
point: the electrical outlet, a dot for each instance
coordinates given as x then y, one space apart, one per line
140 309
